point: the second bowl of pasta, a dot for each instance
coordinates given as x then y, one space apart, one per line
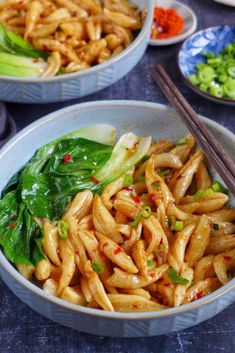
59 50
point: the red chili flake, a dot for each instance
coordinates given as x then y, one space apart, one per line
161 241
197 296
161 279
101 253
3 237
166 284
12 226
74 13
14 217
128 188
94 180
67 158
153 197
135 306
45 47
136 199
152 275
227 258
117 251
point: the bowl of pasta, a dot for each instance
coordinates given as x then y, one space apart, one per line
124 236
53 51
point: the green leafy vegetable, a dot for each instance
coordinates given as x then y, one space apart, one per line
173 274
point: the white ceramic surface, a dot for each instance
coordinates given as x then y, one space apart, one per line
144 119
190 24
79 84
226 2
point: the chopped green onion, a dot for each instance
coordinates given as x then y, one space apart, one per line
215 226
182 141
198 195
141 179
179 225
173 274
165 172
145 213
171 222
128 180
208 192
156 185
218 187
145 158
62 229
151 263
97 267
137 219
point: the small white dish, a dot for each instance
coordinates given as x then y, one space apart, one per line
190 24
226 2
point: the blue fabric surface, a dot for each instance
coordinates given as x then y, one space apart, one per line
22 330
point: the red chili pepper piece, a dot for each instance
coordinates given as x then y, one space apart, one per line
67 158
12 226
197 296
153 197
104 245
166 284
152 275
161 241
227 258
128 188
3 237
117 251
94 180
136 199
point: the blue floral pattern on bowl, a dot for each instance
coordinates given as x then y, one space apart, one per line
209 40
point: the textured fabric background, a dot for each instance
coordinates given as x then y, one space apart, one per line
22 330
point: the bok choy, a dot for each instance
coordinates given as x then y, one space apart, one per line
84 159
18 57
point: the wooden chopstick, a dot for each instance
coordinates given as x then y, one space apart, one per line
213 150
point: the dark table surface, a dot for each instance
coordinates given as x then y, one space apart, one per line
22 330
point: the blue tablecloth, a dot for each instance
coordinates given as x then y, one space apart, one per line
22 330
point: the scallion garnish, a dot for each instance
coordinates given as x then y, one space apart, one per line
208 192
141 179
62 229
174 276
156 185
198 195
97 267
151 263
145 158
218 187
145 212
165 172
128 180
182 141
179 225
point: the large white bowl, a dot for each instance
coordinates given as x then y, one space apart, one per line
80 84
141 118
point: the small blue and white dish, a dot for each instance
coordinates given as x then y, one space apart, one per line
212 39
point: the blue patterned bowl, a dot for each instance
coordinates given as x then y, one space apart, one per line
144 119
208 40
80 84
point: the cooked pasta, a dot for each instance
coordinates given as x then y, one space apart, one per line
160 235
75 34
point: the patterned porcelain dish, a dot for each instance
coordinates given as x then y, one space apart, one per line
208 40
79 84
142 118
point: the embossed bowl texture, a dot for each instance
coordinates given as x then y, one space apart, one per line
85 82
142 118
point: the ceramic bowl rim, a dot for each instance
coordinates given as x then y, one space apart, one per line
64 77
34 290
189 83
180 37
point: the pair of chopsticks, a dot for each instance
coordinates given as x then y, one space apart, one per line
220 160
